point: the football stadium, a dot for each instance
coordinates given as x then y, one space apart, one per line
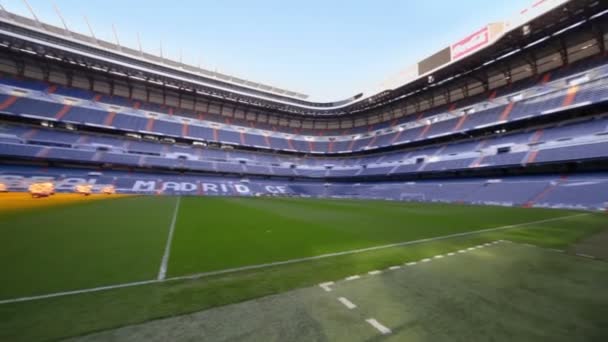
146 199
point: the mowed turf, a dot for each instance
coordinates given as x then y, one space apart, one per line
219 233
67 242
74 315
88 243
502 292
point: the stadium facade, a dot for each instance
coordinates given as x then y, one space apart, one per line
513 114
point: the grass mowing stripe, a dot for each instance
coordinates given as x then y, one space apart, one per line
268 230
162 272
286 262
84 245
369 249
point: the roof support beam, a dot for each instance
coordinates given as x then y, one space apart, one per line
465 89
65 25
507 73
91 83
599 37
4 13
563 50
31 10
69 75
431 99
482 77
86 20
20 64
530 57
111 86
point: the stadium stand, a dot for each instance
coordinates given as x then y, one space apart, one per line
579 192
533 102
531 130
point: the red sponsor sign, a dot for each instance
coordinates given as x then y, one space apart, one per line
471 43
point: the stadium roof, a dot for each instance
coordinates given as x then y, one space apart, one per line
116 47
484 46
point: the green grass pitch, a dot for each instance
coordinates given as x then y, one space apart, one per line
218 233
502 292
99 243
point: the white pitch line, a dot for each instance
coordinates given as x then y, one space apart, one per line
411 263
326 286
462 251
367 249
374 272
438 256
451 253
585 255
392 268
162 272
470 248
353 277
547 248
425 260
68 293
381 328
349 305
286 262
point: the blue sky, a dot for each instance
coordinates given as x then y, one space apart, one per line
327 49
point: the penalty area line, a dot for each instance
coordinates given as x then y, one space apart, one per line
278 263
162 272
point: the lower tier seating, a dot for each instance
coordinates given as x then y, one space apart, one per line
578 191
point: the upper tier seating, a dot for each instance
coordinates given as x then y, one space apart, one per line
524 99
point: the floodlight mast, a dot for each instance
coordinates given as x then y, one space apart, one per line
58 12
86 19
116 37
31 10
141 51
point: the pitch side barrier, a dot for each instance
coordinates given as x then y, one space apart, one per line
580 191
